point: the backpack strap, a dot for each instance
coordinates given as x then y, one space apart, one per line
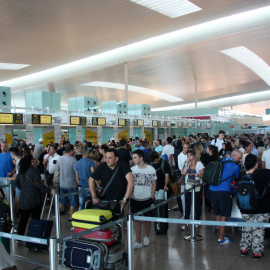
162 165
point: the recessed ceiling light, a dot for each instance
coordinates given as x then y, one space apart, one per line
170 8
137 89
251 60
9 66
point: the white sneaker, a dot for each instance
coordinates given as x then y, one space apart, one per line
196 226
137 245
183 227
146 241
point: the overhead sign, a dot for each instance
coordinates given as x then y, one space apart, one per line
167 123
78 120
123 122
6 118
138 123
156 123
41 119
98 121
18 118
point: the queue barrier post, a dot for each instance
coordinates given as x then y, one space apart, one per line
57 220
130 223
11 203
53 254
193 237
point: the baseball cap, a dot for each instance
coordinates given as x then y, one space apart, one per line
40 140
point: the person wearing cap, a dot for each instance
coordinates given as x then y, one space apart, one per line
39 148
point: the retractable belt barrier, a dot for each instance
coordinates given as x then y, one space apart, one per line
54 243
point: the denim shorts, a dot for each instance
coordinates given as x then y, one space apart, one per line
17 193
222 203
73 199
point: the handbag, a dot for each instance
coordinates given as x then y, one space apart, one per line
176 188
56 177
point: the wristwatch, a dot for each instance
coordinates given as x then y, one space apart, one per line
125 199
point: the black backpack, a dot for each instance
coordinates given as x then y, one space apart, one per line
247 197
213 171
5 220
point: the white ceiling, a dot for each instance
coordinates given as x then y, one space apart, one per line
46 34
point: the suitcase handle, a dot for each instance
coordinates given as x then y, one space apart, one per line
95 260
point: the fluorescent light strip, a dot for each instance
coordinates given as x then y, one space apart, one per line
214 102
136 89
9 66
251 60
170 8
183 37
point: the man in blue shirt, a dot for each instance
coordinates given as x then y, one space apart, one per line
6 167
84 169
221 194
138 145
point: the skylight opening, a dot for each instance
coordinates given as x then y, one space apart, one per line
10 66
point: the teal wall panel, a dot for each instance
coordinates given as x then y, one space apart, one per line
72 135
137 133
107 134
38 133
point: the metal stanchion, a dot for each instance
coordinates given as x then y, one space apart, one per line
57 219
130 242
193 237
11 203
53 254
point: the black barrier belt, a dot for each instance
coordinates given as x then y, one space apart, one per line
166 201
99 228
78 192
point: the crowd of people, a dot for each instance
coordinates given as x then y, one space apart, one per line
140 172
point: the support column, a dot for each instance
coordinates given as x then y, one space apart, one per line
99 135
126 82
156 133
131 132
142 133
115 133
196 97
165 133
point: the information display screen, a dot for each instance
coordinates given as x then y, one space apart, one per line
41 119
18 118
168 123
6 118
138 123
123 122
190 125
156 123
179 124
98 121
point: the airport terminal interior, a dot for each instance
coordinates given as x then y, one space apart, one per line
100 69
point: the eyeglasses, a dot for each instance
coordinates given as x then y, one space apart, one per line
185 147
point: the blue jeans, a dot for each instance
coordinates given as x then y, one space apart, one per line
82 196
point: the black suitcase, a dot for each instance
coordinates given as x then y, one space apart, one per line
83 254
39 229
161 212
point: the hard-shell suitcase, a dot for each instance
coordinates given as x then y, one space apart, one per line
115 255
84 255
108 236
161 212
39 229
91 218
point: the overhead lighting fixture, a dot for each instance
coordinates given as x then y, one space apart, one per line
170 8
9 66
136 89
248 98
251 60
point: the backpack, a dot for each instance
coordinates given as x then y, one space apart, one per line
213 171
162 165
5 220
165 157
247 197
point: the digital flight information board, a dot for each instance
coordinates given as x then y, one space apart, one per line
98 121
41 119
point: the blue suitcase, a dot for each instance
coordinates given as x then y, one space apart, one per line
84 255
39 229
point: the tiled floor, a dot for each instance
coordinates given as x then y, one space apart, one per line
170 251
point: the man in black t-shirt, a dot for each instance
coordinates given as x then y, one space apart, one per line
124 155
121 187
162 168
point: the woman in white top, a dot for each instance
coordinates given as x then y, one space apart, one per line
193 170
182 157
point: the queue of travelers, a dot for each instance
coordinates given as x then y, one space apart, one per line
136 172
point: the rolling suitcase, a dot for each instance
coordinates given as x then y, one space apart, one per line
40 229
91 218
161 212
108 236
115 255
83 254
